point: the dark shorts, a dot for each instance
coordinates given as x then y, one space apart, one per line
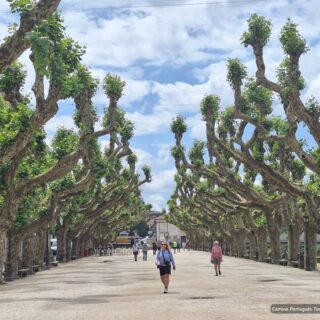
165 270
216 261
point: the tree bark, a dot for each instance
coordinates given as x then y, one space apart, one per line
62 242
262 244
2 253
28 255
293 242
310 247
274 236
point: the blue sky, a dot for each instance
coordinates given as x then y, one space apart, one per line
170 57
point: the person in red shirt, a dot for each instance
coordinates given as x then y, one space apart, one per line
216 257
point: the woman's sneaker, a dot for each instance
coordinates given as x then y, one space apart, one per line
165 290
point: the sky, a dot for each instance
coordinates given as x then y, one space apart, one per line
171 53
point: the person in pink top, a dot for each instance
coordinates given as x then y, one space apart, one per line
216 257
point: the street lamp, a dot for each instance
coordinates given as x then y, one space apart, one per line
306 243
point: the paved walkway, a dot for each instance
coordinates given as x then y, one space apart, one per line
112 288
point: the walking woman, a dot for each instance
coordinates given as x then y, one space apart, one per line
135 251
216 257
164 260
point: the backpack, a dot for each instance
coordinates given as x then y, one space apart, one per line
216 252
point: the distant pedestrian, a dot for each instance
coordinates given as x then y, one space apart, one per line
164 260
154 248
216 257
174 246
178 246
188 245
184 246
145 249
135 251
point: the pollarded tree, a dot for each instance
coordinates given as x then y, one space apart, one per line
272 153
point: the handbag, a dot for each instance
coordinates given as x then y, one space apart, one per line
212 260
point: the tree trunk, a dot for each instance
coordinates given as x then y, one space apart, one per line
262 245
41 248
293 242
69 248
274 235
252 245
15 255
62 243
2 253
310 247
240 243
27 260
74 250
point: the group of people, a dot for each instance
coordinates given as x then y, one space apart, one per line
164 259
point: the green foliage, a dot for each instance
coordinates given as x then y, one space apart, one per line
21 6
227 123
259 30
280 126
236 72
12 122
209 107
316 153
82 81
126 174
258 150
127 130
123 126
113 86
64 142
298 169
63 184
13 78
132 159
260 97
285 79
147 173
31 208
292 42
250 176
197 152
261 221
313 106
55 55
178 125
177 152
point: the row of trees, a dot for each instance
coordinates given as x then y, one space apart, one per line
253 178
71 187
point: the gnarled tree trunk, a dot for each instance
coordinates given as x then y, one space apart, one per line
2 253
274 236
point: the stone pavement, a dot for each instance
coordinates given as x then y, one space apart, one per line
116 287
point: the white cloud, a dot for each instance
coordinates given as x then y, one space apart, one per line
59 121
144 157
179 97
158 191
197 127
150 123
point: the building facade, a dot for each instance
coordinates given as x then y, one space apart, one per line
167 231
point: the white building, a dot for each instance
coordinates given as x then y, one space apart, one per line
167 231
